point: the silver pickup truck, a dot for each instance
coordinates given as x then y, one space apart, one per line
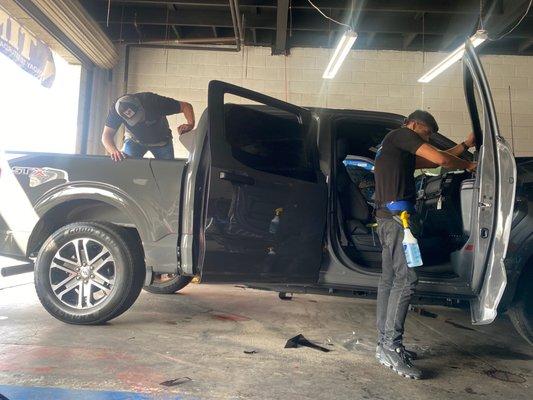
274 196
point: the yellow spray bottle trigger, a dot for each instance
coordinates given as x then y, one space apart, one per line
404 217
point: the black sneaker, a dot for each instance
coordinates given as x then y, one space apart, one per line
398 361
409 353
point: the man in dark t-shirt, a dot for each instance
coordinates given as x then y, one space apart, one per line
145 118
402 151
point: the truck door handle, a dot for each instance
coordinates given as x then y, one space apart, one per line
484 205
235 178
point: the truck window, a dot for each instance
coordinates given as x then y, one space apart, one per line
269 140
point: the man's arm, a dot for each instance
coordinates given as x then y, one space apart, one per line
423 163
460 148
456 151
436 157
188 113
169 106
108 140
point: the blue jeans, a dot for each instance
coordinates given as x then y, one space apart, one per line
134 149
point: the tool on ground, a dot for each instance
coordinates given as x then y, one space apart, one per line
301 341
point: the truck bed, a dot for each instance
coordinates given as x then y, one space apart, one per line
138 193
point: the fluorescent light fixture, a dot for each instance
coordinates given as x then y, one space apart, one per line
478 38
343 47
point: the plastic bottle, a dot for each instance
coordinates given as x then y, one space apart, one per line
410 244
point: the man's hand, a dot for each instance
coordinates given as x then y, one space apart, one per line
470 140
117 155
472 166
188 113
185 128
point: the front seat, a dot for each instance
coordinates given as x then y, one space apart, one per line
355 212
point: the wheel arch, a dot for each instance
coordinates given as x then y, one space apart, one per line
62 210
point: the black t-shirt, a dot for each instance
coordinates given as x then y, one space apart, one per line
395 167
154 129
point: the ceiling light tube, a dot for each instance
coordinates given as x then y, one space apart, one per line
343 47
478 38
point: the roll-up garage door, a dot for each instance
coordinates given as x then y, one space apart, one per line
71 19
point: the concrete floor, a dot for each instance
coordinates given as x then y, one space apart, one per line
200 337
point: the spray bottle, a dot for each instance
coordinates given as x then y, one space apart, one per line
410 244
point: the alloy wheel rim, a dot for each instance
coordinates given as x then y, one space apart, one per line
82 273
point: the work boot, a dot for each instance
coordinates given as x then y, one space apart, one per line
409 353
397 360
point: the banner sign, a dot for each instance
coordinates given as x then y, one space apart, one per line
28 52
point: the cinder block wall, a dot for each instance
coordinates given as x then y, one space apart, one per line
368 80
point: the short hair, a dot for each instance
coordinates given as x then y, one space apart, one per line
424 117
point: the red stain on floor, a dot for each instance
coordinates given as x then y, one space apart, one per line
45 359
87 363
141 379
230 317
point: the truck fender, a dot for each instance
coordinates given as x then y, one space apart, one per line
101 193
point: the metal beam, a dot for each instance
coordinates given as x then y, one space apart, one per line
308 21
372 22
434 6
280 46
396 23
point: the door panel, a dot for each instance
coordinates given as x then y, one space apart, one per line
266 201
496 191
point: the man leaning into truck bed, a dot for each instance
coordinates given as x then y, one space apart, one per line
147 130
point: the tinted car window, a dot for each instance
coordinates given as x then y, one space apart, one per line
268 140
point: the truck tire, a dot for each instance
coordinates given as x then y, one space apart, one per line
87 273
521 311
168 283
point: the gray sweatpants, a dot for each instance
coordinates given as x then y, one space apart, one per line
396 285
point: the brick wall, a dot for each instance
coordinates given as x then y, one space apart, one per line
368 80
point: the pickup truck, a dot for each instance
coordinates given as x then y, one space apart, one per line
274 196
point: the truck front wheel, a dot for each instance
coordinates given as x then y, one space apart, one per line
88 273
168 283
521 311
